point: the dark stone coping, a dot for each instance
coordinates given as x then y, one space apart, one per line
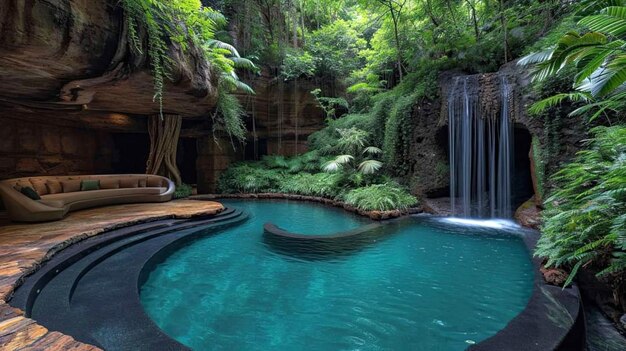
552 319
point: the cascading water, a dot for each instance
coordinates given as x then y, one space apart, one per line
481 151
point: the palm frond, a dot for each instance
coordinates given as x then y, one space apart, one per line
372 150
222 45
370 166
556 100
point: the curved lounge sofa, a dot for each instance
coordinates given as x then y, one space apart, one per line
63 194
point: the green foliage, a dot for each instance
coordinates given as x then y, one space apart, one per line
585 217
356 157
398 133
190 27
540 165
326 140
381 197
337 47
297 64
329 104
228 116
183 191
248 178
319 184
598 58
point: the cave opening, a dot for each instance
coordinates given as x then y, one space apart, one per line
186 159
130 153
522 183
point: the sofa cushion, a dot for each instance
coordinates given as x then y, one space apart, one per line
68 198
143 182
70 186
109 183
54 187
40 186
129 182
89 185
155 182
30 193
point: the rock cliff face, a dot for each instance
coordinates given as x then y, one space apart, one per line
68 78
61 54
282 114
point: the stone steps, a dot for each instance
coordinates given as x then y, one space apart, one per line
90 290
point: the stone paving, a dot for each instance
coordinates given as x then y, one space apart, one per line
23 247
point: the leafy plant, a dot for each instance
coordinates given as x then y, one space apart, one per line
380 197
598 56
297 64
329 104
585 217
183 191
352 143
228 116
191 28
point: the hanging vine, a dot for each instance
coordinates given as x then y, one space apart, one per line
189 27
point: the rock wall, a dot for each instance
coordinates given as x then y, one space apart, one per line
280 117
31 149
62 53
214 157
283 114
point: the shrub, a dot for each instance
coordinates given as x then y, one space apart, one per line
381 197
326 140
245 178
319 184
182 191
585 217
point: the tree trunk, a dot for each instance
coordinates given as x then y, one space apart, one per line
394 18
164 133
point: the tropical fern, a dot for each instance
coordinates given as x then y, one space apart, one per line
585 221
598 55
380 197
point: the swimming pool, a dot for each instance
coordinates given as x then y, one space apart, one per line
422 284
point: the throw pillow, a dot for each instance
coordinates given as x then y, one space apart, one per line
30 193
54 187
39 186
22 184
70 186
87 185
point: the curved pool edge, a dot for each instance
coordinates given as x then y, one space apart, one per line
550 320
373 214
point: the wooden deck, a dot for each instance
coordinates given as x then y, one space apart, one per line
23 247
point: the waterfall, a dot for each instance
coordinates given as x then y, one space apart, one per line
481 149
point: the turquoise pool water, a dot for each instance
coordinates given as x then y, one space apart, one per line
423 286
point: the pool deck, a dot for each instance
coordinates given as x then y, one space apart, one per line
23 247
